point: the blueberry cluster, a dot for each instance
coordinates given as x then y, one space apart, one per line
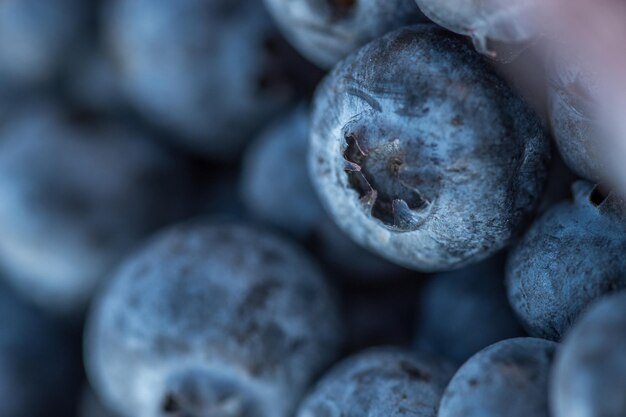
309 208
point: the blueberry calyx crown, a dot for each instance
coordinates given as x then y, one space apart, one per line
377 176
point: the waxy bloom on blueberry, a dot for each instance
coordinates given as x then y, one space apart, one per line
571 256
380 382
589 377
508 379
211 320
325 31
422 154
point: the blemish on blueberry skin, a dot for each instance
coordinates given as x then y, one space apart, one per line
170 405
415 373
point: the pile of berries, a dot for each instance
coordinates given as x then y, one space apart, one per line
310 208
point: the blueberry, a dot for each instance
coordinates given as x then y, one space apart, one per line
276 189
325 31
476 310
211 320
203 69
380 382
35 38
589 377
36 367
569 257
487 21
509 379
75 197
576 130
422 154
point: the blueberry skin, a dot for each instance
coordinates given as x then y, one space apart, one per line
476 310
487 21
571 256
276 188
35 363
380 382
35 38
211 320
74 199
576 132
90 405
508 379
198 68
589 376
422 154
326 31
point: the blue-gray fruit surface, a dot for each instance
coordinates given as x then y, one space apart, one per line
326 31
572 255
276 189
507 379
464 311
589 377
487 21
380 382
74 199
202 69
36 37
422 154
211 320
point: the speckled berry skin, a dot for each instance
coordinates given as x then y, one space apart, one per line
487 21
589 376
380 382
326 31
575 128
74 199
568 258
201 69
211 320
477 313
422 154
508 379
276 188
36 368
35 39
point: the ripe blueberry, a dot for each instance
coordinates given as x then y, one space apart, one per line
36 38
568 258
422 154
205 70
325 31
276 188
75 197
211 320
476 310
380 382
589 377
509 379
487 21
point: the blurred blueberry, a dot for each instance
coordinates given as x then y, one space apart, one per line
508 379
75 196
211 320
488 22
325 31
462 312
589 377
422 154
380 382
36 37
276 188
37 373
211 71
572 255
